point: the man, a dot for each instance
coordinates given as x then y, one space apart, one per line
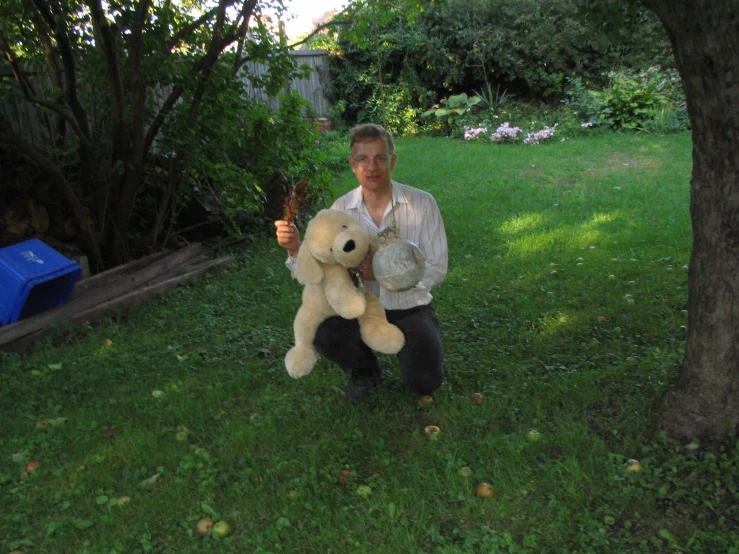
374 203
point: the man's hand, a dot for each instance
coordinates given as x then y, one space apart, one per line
288 237
367 273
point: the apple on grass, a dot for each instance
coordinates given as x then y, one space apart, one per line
478 398
484 490
222 529
633 466
432 431
464 471
204 525
533 435
31 466
425 400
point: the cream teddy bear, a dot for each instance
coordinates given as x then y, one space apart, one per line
334 242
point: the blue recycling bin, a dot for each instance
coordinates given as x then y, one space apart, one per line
33 278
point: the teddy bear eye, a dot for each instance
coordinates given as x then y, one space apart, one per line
344 227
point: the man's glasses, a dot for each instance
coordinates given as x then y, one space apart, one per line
364 161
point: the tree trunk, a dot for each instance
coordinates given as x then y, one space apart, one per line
705 40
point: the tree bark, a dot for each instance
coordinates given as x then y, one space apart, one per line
705 40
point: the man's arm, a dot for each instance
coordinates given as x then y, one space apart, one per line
434 247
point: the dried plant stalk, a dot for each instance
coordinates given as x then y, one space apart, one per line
296 200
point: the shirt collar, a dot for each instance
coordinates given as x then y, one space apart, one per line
355 199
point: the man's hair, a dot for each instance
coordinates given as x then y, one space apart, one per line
371 131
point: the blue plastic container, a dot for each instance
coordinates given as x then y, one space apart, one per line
33 278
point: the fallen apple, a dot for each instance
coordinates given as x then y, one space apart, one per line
343 478
484 490
478 398
157 393
425 400
432 431
204 525
41 424
363 490
464 471
123 500
633 466
222 529
31 466
533 435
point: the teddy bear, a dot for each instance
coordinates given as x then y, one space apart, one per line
334 243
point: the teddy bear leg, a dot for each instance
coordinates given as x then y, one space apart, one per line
300 360
376 332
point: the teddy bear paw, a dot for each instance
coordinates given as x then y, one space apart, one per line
300 360
384 338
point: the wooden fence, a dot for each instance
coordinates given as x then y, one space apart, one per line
312 89
30 122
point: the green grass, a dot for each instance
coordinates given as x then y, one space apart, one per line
235 438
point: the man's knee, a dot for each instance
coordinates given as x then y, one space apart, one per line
426 382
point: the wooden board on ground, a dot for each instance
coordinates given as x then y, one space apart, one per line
116 289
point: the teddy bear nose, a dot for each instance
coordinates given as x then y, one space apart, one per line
349 246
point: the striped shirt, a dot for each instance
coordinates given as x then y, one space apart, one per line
419 221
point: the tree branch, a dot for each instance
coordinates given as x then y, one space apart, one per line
29 93
138 83
182 33
351 14
108 45
57 21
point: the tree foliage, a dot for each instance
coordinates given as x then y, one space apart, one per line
528 47
143 106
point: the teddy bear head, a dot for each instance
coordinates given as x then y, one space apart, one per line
332 237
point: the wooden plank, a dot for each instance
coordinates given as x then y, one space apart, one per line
105 277
126 301
98 296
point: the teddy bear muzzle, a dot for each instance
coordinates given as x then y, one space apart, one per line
350 247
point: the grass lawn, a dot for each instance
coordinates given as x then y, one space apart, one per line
564 306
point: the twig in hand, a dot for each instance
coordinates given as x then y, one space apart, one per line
296 200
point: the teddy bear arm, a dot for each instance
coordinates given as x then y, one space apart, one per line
376 331
346 300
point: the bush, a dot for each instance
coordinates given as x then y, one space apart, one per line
650 100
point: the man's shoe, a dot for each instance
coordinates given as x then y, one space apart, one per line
362 384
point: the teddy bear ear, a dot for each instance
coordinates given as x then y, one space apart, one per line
307 269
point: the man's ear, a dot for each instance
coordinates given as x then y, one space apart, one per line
307 269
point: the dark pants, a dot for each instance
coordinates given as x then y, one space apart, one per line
421 358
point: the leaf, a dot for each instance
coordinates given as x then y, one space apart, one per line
149 483
102 499
80 523
54 367
458 99
208 509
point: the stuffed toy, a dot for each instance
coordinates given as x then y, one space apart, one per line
335 242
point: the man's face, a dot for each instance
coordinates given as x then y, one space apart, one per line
371 164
